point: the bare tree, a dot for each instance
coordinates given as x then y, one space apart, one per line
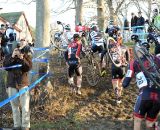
114 11
78 9
42 23
100 14
43 31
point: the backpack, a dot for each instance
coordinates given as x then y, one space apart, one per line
157 22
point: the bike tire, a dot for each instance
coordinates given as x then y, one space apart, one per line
109 52
144 69
92 74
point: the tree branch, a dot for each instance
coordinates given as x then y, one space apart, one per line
119 6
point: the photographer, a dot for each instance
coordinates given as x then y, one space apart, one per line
18 79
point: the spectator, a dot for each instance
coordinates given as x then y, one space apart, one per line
126 30
146 25
140 26
133 22
11 34
17 80
3 40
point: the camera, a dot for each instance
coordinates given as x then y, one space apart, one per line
26 49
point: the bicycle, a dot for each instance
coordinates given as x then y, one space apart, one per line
60 43
93 69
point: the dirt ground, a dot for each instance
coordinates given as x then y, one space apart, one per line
95 109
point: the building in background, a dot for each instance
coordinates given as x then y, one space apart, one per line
20 24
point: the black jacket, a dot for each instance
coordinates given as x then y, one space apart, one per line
140 22
134 21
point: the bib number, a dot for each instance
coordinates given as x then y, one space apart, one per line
141 80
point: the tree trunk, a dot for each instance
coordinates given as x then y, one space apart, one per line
78 7
100 14
42 23
111 10
149 9
42 34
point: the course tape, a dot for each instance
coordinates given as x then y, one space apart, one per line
45 60
136 27
22 91
13 66
37 73
41 49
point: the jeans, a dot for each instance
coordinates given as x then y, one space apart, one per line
23 100
140 33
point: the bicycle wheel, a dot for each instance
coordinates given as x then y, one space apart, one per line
92 74
113 51
151 69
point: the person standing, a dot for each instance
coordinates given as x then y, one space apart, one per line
18 79
126 30
140 25
133 22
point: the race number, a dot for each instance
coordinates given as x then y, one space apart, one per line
141 80
129 73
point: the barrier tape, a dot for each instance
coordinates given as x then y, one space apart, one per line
45 60
37 73
33 84
10 67
41 49
133 27
22 91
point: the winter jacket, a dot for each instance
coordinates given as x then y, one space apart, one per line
18 77
134 21
140 22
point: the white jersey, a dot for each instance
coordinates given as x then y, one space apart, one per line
96 38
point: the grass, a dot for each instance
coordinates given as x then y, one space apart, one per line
131 45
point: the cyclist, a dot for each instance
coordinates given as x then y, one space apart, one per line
121 56
148 101
153 35
98 44
73 62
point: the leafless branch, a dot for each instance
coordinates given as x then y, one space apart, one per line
119 6
25 2
66 9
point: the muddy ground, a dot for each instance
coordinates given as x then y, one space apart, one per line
57 108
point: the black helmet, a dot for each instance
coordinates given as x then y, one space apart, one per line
134 37
67 27
93 27
76 36
146 45
113 30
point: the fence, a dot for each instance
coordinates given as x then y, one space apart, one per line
39 59
141 31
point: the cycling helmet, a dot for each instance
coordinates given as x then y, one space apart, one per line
150 38
134 38
94 27
76 36
113 30
67 27
146 45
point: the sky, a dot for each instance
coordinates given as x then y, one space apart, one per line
13 6
30 10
